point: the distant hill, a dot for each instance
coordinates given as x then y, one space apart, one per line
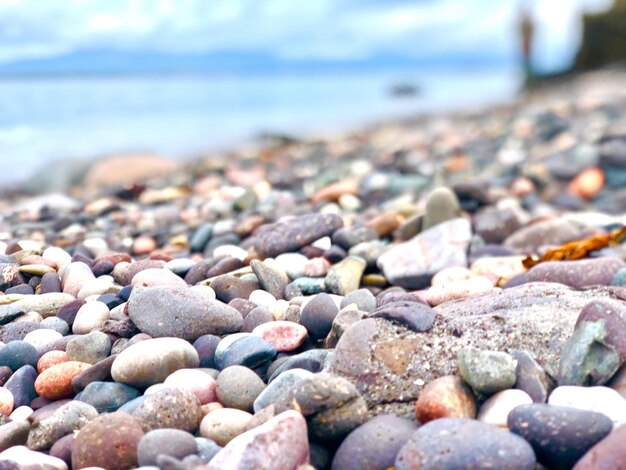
98 62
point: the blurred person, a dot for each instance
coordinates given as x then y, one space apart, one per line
527 28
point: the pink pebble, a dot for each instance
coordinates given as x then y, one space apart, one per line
201 384
284 335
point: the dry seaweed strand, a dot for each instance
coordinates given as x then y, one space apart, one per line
578 249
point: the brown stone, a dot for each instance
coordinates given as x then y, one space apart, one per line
445 397
55 382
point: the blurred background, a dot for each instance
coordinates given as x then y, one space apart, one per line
80 79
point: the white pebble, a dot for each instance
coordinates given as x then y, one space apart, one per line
600 399
497 407
90 316
42 338
231 250
262 298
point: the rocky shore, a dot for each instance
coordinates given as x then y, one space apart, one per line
447 292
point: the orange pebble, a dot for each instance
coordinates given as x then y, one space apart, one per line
588 183
51 358
55 382
144 245
6 401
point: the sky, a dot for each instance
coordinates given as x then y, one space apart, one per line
334 30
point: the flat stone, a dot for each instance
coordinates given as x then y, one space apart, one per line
243 349
99 372
291 235
271 278
559 435
464 443
577 274
151 361
107 397
412 264
181 312
531 378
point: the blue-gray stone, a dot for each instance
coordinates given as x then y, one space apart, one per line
22 385
207 449
56 324
619 279
312 360
108 396
248 350
201 237
17 354
133 405
279 386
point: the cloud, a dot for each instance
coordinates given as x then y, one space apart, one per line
329 29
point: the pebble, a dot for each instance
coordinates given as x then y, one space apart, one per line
89 348
6 401
278 387
22 386
21 413
205 346
560 436
464 443
100 371
168 408
256 317
62 449
413 315
345 276
26 458
151 361
487 372
109 441
75 275
497 407
442 205
613 313
285 336
362 298
599 399
243 349
65 420
412 264
167 311
56 382
374 444
445 397
262 298
42 339
171 442
289 450
271 278
222 426
198 382
17 354
291 235
454 290
56 324
238 387
155 277
579 273
90 316
531 378
107 397
13 433
318 314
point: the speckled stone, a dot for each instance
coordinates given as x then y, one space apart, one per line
345 277
223 425
168 408
17 354
109 441
56 382
238 387
464 443
559 435
89 348
198 382
579 273
284 335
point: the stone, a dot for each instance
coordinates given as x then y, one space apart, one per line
497 407
554 232
155 277
256 317
494 224
577 274
289 450
413 315
278 387
56 324
412 264
606 453
74 276
107 397
47 305
271 278
560 436
587 359
17 354
345 276
613 313
531 378
168 408
69 311
42 339
66 420
229 287
109 441
442 206
445 397
318 314
222 426
463 443
62 449
238 387
151 361
205 346
599 399
455 290
24 458
243 349
22 386
292 234
181 312
90 348
99 372
379 356
56 382
332 405
374 445
362 298
6 401
487 372
14 433
90 316
198 382
285 336
171 442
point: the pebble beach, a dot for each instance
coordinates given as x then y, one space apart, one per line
443 292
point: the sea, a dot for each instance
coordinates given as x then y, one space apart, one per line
48 118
